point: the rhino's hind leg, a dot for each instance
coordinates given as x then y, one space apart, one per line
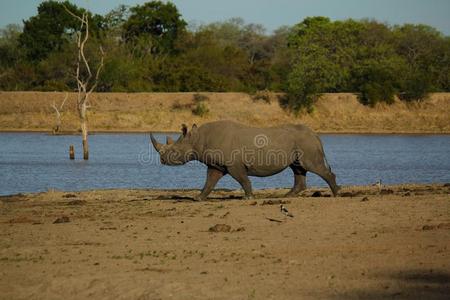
323 171
299 180
213 175
240 175
331 180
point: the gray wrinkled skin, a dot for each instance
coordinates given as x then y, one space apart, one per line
230 148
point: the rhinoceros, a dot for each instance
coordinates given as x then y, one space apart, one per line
227 147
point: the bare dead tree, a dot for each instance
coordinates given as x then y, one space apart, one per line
57 110
86 83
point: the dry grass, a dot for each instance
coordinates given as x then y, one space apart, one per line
166 111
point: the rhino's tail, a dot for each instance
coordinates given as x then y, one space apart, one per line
325 161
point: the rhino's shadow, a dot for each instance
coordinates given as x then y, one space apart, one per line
188 198
407 284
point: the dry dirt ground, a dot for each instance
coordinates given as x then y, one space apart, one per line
157 244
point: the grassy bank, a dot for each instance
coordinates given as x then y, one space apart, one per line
142 112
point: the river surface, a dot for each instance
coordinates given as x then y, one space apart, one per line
36 162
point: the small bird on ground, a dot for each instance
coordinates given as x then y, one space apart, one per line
285 211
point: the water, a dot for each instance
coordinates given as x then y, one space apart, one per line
35 162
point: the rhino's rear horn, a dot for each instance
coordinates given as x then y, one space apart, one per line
169 140
155 143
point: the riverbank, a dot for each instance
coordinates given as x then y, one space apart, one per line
165 112
157 244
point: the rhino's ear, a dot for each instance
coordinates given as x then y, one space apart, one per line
193 134
184 129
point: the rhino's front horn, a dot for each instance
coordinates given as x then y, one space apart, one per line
155 143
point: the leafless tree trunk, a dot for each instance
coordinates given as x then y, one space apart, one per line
58 114
85 84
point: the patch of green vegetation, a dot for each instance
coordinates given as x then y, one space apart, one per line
200 109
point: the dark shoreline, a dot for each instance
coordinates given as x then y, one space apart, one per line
324 189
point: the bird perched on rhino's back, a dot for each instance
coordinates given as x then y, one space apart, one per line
227 147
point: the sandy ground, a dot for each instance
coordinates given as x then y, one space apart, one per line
156 244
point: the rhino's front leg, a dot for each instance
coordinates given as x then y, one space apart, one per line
299 181
212 177
240 174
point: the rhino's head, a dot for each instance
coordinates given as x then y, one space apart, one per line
180 152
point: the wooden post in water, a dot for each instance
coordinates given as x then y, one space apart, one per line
71 152
84 132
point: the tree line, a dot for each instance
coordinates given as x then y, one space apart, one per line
150 48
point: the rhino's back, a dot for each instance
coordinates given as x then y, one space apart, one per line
214 134
225 130
219 126
227 135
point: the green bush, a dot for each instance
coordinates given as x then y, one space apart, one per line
415 87
373 92
200 109
311 76
298 103
376 82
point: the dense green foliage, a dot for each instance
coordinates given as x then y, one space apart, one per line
50 30
154 27
150 47
367 57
